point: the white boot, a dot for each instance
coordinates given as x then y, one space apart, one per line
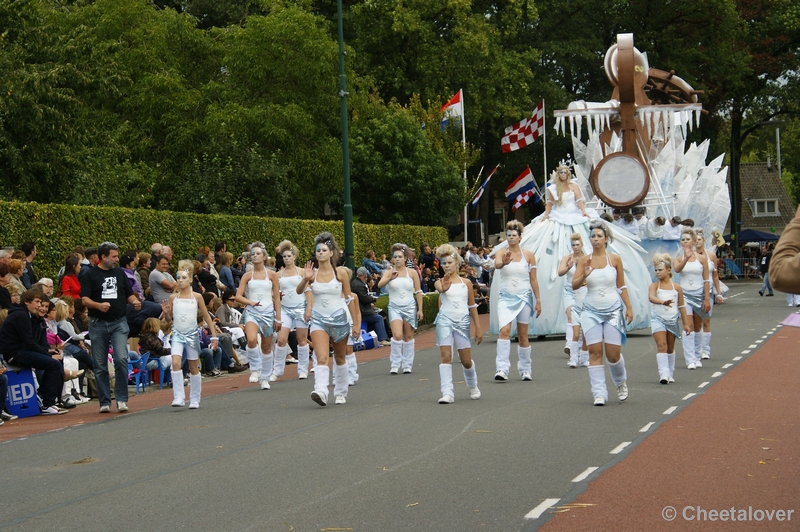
705 345
279 363
254 359
503 360
408 356
662 359
395 356
671 357
597 378
352 369
698 347
340 383
302 361
524 362
584 358
687 340
570 338
574 355
471 379
313 362
266 370
178 395
446 378
195 390
321 383
619 377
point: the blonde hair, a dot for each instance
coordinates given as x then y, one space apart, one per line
287 245
515 225
689 231
559 184
665 259
186 265
576 236
447 250
62 310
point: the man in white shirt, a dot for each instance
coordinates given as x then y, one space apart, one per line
672 229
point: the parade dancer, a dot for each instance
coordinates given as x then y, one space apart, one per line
186 336
693 267
295 313
262 314
404 312
603 318
329 321
456 307
668 318
515 271
350 356
704 338
573 300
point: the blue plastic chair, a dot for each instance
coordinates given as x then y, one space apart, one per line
139 378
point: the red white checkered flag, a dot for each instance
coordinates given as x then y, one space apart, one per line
525 131
522 199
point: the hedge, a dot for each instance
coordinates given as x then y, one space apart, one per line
57 229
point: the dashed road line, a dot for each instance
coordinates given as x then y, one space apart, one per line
618 448
670 410
737 358
582 476
542 508
746 351
688 395
703 384
647 427
726 366
716 374
753 346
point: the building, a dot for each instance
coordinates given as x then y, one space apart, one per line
766 206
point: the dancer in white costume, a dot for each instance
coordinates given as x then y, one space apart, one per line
693 267
669 318
515 272
329 320
405 309
295 313
186 337
573 300
262 314
603 318
350 356
456 307
548 236
704 343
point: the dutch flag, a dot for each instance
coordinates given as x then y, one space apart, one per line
523 183
454 109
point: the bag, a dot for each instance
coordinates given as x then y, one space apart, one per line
368 340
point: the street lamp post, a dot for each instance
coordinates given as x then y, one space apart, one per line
348 206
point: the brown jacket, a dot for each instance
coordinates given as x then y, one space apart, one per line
784 269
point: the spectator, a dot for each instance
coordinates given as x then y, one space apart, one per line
143 269
225 274
4 416
784 270
128 263
369 263
5 279
426 258
219 248
105 290
763 267
369 315
15 269
5 256
45 285
73 340
155 251
162 284
70 285
18 338
28 275
89 260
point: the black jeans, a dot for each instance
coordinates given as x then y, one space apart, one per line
52 376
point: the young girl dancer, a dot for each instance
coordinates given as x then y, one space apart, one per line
293 313
668 318
603 319
693 267
262 314
456 307
185 336
515 270
404 313
573 300
329 321
704 340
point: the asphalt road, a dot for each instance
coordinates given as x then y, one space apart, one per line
391 459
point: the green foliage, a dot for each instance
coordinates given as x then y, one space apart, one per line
57 229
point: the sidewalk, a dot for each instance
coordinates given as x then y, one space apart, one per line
154 397
736 446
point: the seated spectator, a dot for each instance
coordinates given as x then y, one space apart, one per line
149 342
369 314
21 348
128 263
370 264
89 260
225 274
15 269
143 269
74 345
70 285
4 415
162 283
5 279
45 285
480 300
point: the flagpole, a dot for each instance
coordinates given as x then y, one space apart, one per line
464 146
544 138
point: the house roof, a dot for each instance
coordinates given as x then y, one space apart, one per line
761 181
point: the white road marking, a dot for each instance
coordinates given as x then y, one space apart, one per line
734 295
746 351
737 358
618 448
726 366
582 476
670 410
753 346
703 384
716 374
542 508
647 427
688 395
759 341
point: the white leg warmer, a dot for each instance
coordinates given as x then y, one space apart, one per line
266 366
524 359
671 357
322 379
597 378
698 345
471 376
617 370
446 377
584 358
352 369
408 355
254 359
395 354
503 359
340 379
687 340
706 343
569 333
195 390
178 395
662 359
280 360
302 359
574 355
